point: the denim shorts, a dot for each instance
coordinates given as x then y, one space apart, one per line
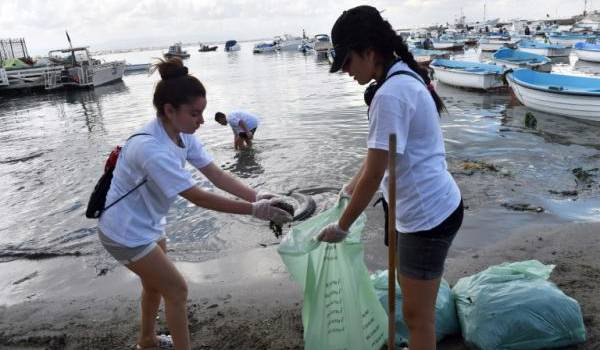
123 254
421 255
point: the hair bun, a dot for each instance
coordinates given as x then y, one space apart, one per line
171 69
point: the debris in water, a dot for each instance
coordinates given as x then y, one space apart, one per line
523 207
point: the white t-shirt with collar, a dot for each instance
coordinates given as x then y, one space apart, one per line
140 218
234 118
426 193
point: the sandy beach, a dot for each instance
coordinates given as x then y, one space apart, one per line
248 301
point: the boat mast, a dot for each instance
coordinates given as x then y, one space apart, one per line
585 7
484 12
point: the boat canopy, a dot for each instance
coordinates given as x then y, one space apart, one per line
510 55
587 47
14 63
468 66
322 37
539 45
567 84
230 43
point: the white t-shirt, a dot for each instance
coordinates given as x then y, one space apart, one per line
234 119
140 218
426 193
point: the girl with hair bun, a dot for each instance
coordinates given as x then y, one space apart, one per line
429 208
149 176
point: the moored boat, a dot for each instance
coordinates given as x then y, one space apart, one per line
548 50
81 70
518 59
570 96
232 45
207 48
588 52
468 74
569 39
494 43
322 43
263 47
175 50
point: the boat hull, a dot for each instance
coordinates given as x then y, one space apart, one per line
588 55
447 46
467 80
491 46
108 72
548 52
544 67
568 105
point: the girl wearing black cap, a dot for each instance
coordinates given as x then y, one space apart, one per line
148 177
429 208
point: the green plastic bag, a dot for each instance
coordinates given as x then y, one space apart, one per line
446 322
341 310
513 306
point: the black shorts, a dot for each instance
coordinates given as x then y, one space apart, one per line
421 255
243 135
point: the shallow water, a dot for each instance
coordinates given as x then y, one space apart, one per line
312 136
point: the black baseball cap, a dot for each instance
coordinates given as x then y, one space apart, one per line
352 29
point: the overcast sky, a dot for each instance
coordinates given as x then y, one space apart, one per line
103 24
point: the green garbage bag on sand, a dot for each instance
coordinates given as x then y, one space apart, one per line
513 306
446 322
341 310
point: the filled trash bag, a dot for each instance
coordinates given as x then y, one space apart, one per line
446 322
341 310
513 306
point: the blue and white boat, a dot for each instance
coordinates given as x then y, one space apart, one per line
588 52
448 43
425 57
468 74
569 39
548 50
570 96
514 59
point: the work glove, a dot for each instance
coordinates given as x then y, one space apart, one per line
262 194
265 209
344 193
332 233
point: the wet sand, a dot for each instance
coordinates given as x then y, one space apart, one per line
248 300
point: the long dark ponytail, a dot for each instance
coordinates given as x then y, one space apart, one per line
401 50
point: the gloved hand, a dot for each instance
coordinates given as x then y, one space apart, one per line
264 209
332 233
262 194
344 193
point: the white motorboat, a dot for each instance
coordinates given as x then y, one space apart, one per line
322 43
288 42
570 96
175 50
263 47
467 74
81 70
588 52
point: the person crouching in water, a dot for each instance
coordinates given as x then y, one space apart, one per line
243 124
133 229
429 209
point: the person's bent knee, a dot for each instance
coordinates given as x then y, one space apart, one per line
176 292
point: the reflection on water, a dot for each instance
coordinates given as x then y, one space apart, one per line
245 165
312 135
